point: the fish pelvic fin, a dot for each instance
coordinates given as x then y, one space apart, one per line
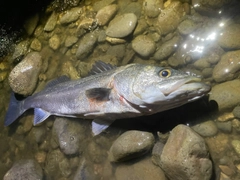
15 109
40 115
99 125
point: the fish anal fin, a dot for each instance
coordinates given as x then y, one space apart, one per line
98 94
40 115
58 80
100 66
99 125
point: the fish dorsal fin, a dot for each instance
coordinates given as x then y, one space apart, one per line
100 67
56 81
98 94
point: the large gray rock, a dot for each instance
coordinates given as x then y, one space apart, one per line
23 78
86 45
130 145
51 22
230 38
185 156
122 25
141 170
25 169
227 94
71 15
70 135
105 14
227 67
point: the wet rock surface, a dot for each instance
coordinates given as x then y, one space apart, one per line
186 150
24 169
131 144
143 45
23 78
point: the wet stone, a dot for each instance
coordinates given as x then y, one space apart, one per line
105 14
51 22
24 169
166 49
96 153
31 24
86 45
169 18
186 153
36 45
20 50
230 38
130 145
143 45
70 15
152 8
202 63
70 40
100 4
236 146
227 67
225 127
187 27
122 25
23 78
144 170
206 129
54 42
227 94
70 134
236 112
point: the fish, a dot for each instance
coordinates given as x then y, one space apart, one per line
111 93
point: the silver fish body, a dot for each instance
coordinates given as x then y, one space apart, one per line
112 93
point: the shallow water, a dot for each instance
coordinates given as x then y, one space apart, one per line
194 44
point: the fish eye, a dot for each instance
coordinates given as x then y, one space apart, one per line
165 73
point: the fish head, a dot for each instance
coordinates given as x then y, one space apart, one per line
165 87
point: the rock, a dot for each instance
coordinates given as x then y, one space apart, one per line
236 112
117 51
227 94
143 45
132 7
36 45
152 8
70 15
186 153
227 67
54 42
156 152
229 38
236 146
23 78
130 145
3 75
115 40
166 49
24 169
101 4
51 22
38 134
141 27
70 40
105 14
31 24
69 70
122 25
206 129
20 50
96 153
86 45
187 27
202 64
225 127
142 170
169 18
70 135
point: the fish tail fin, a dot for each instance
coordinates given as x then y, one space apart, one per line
15 109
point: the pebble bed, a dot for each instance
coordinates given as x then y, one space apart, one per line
201 37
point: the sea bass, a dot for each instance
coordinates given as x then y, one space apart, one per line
111 93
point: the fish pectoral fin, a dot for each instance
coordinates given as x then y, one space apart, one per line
40 115
99 125
98 94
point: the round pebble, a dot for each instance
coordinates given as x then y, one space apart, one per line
206 129
54 42
130 145
105 14
143 45
122 25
